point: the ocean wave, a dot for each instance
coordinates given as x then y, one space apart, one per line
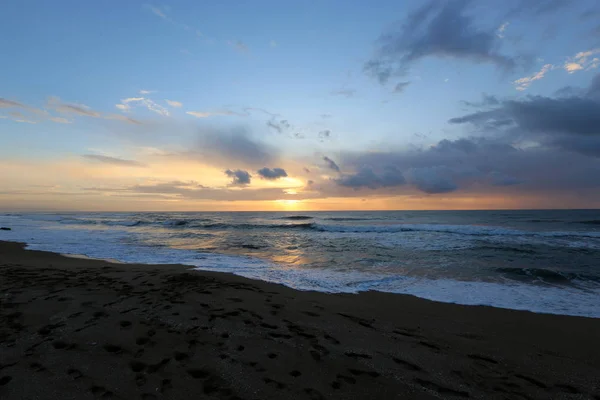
218 225
341 219
454 229
297 217
590 222
546 275
508 248
544 220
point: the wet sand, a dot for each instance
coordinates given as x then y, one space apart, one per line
88 329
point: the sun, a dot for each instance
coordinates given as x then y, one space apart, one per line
288 204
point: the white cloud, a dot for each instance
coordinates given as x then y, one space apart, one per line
144 102
524 83
147 91
123 107
158 12
60 120
200 114
174 103
206 114
571 67
501 29
581 61
27 121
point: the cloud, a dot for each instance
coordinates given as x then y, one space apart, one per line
524 83
192 190
174 103
501 29
432 180
112 160
570 123
144 102
5 103
582 61
239 177
487 100
39 114
367 178
324 134
344 92
207 114
221 147
272 174
147 91
60 120
331 164
280 126
400 86
431 31
238 45
157 11
123 118
71 108
123 107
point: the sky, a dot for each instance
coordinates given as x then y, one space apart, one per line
325 105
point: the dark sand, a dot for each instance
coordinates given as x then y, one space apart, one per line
87 329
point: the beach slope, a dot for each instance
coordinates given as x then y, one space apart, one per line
88 329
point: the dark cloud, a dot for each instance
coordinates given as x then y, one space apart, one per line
324 134
432 180
570 122
487 100
280 126
400 86
331 164
306 170
367 178
437 29
113 160
239 177
499 179
221 147
474 165
272 174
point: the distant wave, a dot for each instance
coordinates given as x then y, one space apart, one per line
590 222
349 219
545 275
508 248
544 220
297 217
454 229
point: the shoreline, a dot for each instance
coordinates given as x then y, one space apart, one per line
170 331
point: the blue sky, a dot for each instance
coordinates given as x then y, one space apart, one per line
290 83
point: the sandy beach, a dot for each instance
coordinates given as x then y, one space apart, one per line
84 329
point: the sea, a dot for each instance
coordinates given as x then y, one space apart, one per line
545 261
